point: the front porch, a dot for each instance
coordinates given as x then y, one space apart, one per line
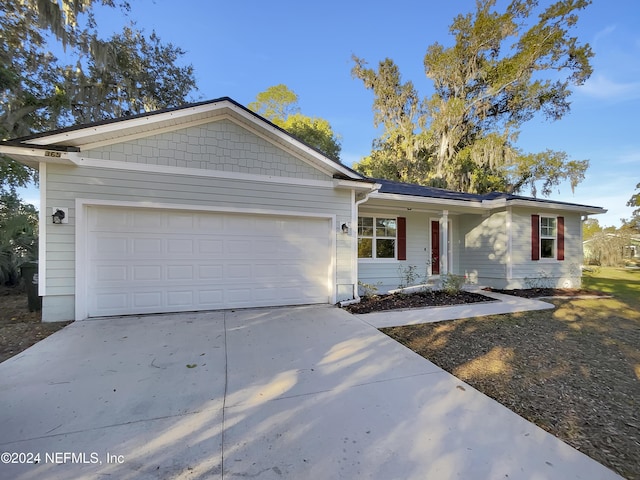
403 243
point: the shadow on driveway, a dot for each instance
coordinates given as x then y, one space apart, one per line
305 392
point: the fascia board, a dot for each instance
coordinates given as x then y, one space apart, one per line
28 155
429 200
358 186
125 124
503 203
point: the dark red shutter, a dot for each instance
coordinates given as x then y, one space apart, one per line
560 238
402 238
535 237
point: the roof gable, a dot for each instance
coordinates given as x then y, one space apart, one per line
218 146
99 134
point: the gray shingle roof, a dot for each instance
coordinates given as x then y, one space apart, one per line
410 189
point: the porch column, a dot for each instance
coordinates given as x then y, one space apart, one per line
444 247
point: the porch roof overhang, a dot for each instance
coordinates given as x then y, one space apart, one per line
393 201
417 197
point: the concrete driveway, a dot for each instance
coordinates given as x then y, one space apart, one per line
288 393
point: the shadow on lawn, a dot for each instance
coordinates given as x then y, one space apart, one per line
574 371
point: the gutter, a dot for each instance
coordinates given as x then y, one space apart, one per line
549 204
354 221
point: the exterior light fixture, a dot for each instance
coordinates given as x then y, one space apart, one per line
345 228
58 216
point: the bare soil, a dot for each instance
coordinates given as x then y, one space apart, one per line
20 328
574 371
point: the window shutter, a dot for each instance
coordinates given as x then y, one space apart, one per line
402 238
535 237
560 238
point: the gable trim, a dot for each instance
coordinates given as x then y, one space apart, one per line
151 133
197 172
114 131
42 231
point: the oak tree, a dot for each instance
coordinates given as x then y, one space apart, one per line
96 79
503 69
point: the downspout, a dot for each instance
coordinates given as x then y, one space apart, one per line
354 254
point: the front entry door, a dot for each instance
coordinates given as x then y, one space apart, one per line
435 247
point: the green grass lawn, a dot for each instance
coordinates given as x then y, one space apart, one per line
574 370
621 282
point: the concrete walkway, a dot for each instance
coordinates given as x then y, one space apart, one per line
289 393
505 304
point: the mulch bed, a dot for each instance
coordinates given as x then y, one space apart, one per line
397 301
548 292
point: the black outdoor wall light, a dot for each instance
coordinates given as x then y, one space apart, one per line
58 216
345 228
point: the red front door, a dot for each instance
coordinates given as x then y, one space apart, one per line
435 247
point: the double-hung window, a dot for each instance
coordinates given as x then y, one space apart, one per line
377 237
547 237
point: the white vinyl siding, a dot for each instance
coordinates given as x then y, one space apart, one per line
483 247
548 271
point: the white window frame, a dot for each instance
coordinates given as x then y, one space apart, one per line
375 237
553 237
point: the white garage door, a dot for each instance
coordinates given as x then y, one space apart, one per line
150 261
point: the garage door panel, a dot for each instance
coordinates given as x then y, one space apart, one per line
238 245
210 223
111 273
210 272
144 219
237 296
180 246
236 272
266 246
180 272
210 248
109 245
113 218
180 298
147 299
267 271
111 301
152 261
146 246
181 221
141 273
211 298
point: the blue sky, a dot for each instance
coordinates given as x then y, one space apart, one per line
240 48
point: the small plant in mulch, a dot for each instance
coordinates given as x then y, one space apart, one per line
396 301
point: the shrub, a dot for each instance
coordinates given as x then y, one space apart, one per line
368 289
452 284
